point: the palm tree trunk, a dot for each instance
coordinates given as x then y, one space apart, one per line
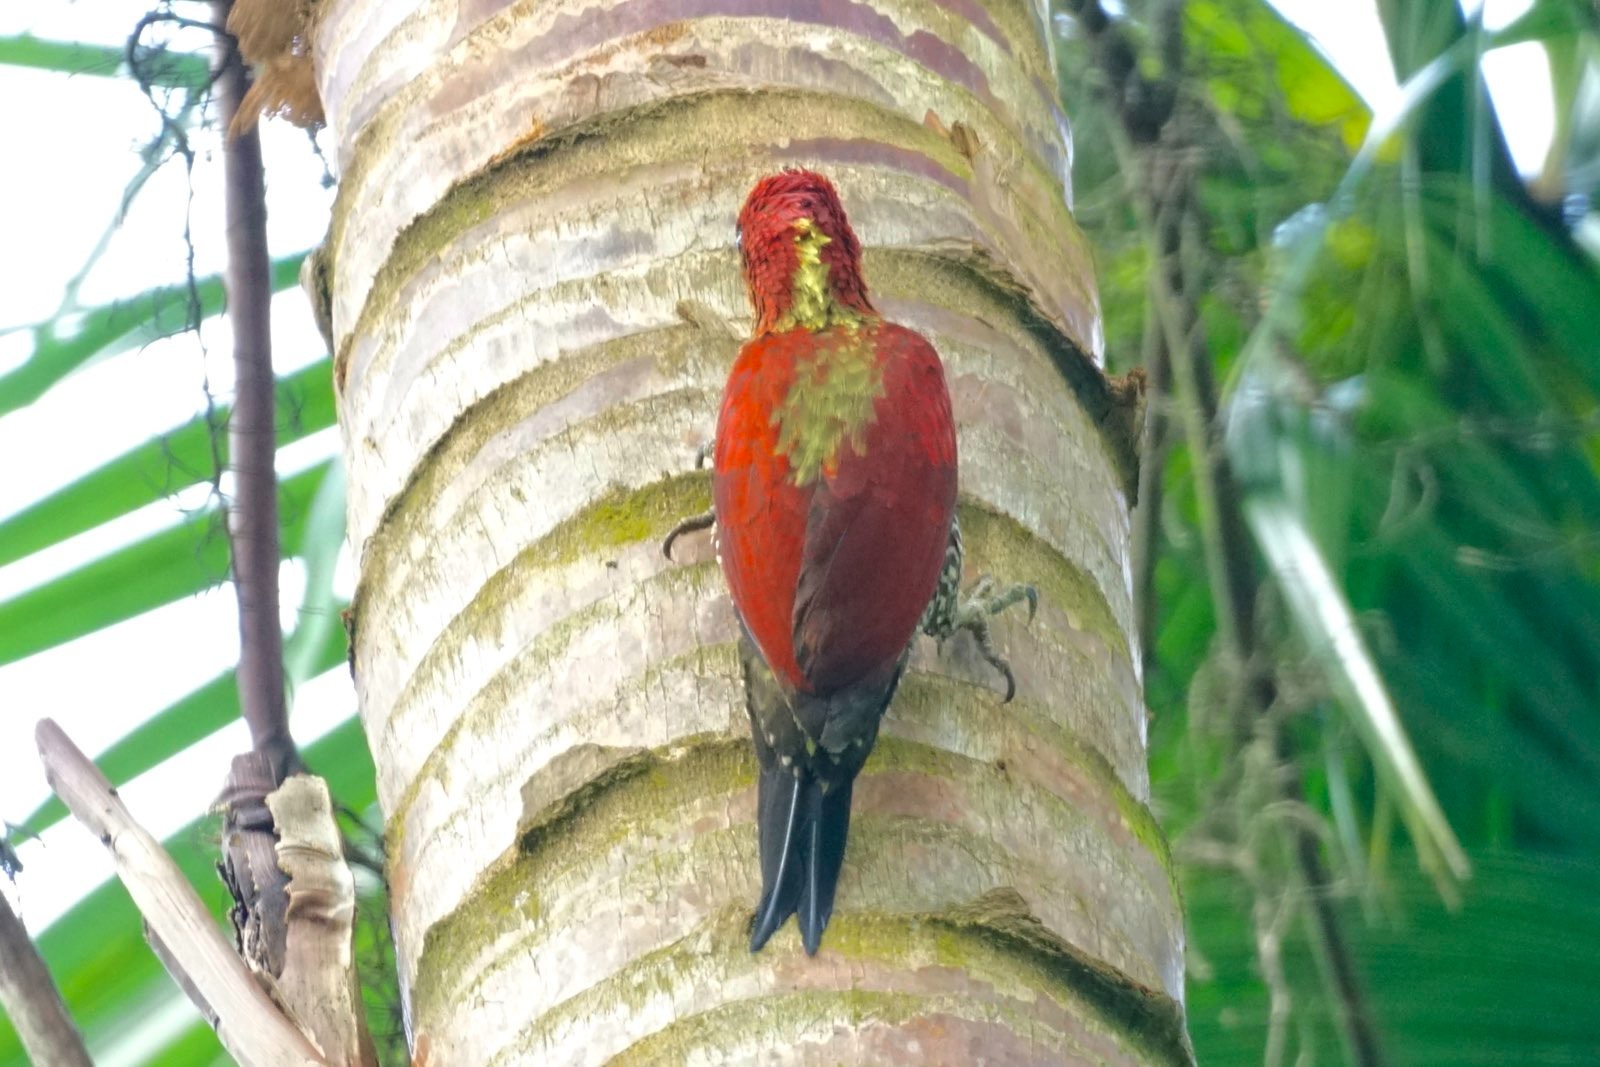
535 300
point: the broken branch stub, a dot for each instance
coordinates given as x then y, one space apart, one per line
253 1030
249 866
318 983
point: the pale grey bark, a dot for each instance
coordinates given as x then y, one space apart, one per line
535 299
30 999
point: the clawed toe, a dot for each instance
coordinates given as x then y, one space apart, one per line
980 605
693 522
689 525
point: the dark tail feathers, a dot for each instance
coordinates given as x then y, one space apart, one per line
802 831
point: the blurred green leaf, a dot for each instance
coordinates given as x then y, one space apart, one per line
1506 979
1327 625
319 624
178 562
155 470
1270 61
59 348
194 717
1548 20
177 71
1270 445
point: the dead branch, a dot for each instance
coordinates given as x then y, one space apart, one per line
33 1002
252 1029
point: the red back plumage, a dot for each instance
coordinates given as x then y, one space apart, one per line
830 561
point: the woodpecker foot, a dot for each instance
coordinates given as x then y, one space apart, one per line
689 525
694 522
982 602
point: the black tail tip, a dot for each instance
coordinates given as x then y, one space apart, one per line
811 934
761 933
802 827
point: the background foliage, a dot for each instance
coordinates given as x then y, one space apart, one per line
1405 336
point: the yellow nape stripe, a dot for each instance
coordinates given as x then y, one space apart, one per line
812 305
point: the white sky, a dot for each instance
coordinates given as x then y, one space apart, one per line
100 687
1518 75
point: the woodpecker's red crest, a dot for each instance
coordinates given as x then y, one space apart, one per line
779 209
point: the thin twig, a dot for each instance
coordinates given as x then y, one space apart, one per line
1234 580
145 64
250 1026
1330 942
31 999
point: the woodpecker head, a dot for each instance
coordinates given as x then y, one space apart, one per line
802 262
